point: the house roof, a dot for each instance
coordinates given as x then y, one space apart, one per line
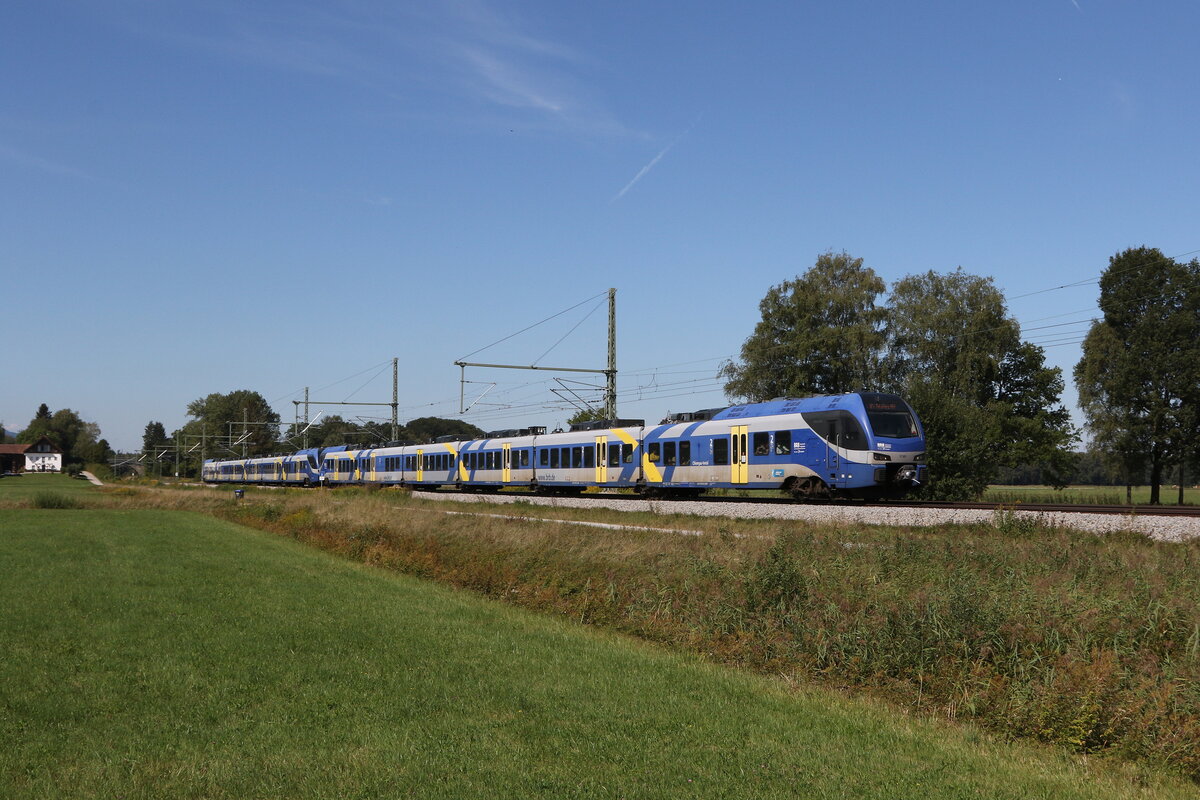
21 449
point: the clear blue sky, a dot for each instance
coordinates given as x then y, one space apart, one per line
199 197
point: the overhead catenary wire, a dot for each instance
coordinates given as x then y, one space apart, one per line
1056 335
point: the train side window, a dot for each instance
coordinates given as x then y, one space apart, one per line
653 453
589 457
720 446
544 457
576 457
614 454
627 453
553 457
783 443
685 453
762 444
669 454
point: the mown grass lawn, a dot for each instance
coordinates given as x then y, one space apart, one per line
161 654
25 487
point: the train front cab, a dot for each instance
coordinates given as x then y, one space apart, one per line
854 445
866 445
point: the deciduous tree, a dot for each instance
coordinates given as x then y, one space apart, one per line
820 333
72 434
241 420
986 398
1139 378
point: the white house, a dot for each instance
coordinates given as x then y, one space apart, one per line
41 456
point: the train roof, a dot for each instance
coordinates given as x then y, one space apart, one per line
791 405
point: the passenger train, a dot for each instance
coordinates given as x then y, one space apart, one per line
864 444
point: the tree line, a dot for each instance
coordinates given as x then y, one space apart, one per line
944 341
947 343
242 423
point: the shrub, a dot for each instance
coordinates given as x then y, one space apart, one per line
53 500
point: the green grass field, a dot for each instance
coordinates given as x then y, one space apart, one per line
1108 495
162 654
24 488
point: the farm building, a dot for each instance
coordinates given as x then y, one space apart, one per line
41 456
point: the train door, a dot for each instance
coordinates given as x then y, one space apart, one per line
739 458
601 460
420 465
507 464
832 459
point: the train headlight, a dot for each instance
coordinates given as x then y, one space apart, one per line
881 457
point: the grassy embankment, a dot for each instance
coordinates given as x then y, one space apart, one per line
160 654
1098 495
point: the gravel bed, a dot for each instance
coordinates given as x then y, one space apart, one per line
1169 529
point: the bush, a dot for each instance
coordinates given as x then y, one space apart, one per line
53 500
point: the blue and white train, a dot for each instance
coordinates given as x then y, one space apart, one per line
850 445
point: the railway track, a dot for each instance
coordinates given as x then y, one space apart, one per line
1058 508
1048 508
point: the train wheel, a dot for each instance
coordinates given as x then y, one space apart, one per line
809 489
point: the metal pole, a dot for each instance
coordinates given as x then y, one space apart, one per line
395 395
610 392
305 417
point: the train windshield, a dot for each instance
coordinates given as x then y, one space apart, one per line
890 417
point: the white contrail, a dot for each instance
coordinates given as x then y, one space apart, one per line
653 161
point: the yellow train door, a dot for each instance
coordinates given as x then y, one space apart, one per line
506 473
420 465
738 454
601 460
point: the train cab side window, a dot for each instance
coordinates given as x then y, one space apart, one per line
669 454
720 446
783 443
762 444
685 453
837 427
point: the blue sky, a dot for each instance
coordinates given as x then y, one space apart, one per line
199 197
